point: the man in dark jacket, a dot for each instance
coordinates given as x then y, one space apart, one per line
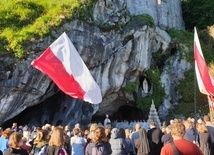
154 136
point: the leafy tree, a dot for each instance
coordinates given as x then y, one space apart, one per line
198 13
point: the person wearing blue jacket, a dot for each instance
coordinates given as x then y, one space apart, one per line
4 139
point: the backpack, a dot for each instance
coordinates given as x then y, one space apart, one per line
98 149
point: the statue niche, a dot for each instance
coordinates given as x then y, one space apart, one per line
145 85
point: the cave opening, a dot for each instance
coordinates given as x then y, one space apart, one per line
124 113
33 116
45 112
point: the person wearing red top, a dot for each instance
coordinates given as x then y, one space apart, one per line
183 146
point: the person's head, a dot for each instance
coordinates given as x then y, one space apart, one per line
189 119
115 133
168 130
137 127
108 133
163 129
14 125
206 118
34 129
45 135
177 120
127 132
86 133
57 137
47 126
164 124
152 125
177 130
76 131
142 133
6 133
24 140
39 136
99 135
192 120
122 133
201 127
187 124
93 127
77 126
67 128
21 128
199 121
15 140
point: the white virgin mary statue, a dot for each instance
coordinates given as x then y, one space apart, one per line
145 86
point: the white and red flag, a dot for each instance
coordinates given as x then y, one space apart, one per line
63 64
205 81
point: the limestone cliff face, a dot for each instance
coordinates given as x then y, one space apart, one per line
115 57
166 15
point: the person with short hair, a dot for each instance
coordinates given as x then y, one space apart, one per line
15 144
182 146
99 139
77 143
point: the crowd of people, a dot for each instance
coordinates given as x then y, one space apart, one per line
180 137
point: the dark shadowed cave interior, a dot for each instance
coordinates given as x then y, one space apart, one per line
51 106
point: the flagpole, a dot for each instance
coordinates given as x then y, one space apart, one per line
195 97
195 100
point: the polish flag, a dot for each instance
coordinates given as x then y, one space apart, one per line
63 64
205 81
